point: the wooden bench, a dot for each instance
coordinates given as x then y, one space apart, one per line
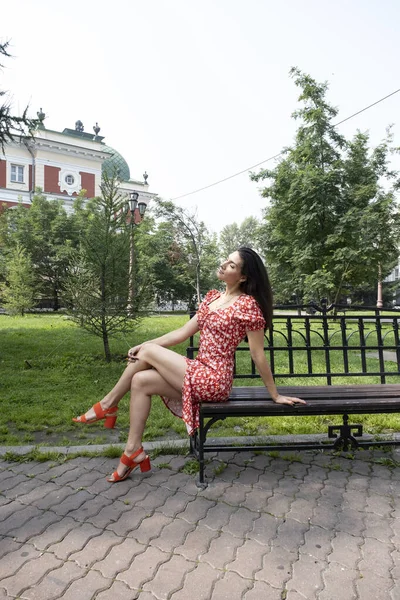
360 346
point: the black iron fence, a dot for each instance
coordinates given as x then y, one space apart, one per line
327 342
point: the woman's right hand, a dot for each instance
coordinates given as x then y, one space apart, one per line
132 353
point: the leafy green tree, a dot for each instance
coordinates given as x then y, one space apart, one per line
47 233
149 248
229 239
330 221
18 291
175 268
171 279
364 242
246 234
210 263
3 241
194 243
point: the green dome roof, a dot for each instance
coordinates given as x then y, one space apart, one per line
116 163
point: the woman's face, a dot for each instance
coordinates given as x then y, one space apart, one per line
230 270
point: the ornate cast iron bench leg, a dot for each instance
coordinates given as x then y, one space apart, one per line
193 444
345 440
201 438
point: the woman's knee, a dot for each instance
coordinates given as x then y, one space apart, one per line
147 350
139 380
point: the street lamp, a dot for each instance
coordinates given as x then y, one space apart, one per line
133 204
379 301
133 201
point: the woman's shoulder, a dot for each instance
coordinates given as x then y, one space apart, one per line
211 295
247 301
249 311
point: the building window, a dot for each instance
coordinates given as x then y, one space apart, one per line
69 181
17 174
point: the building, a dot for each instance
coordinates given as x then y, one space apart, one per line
392 278
62 164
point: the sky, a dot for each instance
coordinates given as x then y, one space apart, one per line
195 91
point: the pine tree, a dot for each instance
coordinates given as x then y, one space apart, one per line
18 292
97 282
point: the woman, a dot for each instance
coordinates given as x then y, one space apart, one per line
224 319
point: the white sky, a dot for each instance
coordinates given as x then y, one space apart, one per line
194 91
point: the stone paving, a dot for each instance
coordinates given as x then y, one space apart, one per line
293 526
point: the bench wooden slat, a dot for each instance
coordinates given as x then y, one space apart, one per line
254 401
314 407
386 390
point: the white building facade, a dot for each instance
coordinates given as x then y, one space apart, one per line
62 164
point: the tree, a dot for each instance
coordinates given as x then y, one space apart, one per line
3 239
209 263
18 292
98 278
175 267
323 227
149 249
364 244
233 236
11 126
194 242
47 233
229 239
171 279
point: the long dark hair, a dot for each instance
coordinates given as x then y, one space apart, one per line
257 282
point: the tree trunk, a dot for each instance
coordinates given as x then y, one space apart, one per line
198 283
56 305
106 344
103 319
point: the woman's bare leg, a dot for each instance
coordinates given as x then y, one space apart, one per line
169 364
121 388
144 385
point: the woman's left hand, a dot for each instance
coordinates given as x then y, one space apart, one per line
288 400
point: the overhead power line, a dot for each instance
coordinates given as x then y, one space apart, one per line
226 178
366 108
280 153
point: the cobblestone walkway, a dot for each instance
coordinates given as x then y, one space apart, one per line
292 527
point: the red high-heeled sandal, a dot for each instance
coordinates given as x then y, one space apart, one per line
109 414
131 463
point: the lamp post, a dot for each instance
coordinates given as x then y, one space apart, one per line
132 206
379 300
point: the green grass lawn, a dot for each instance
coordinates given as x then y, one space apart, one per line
51 370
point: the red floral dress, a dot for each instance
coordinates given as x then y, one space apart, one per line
209 376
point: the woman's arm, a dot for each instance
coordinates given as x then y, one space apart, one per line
256 343
171 338
178 335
